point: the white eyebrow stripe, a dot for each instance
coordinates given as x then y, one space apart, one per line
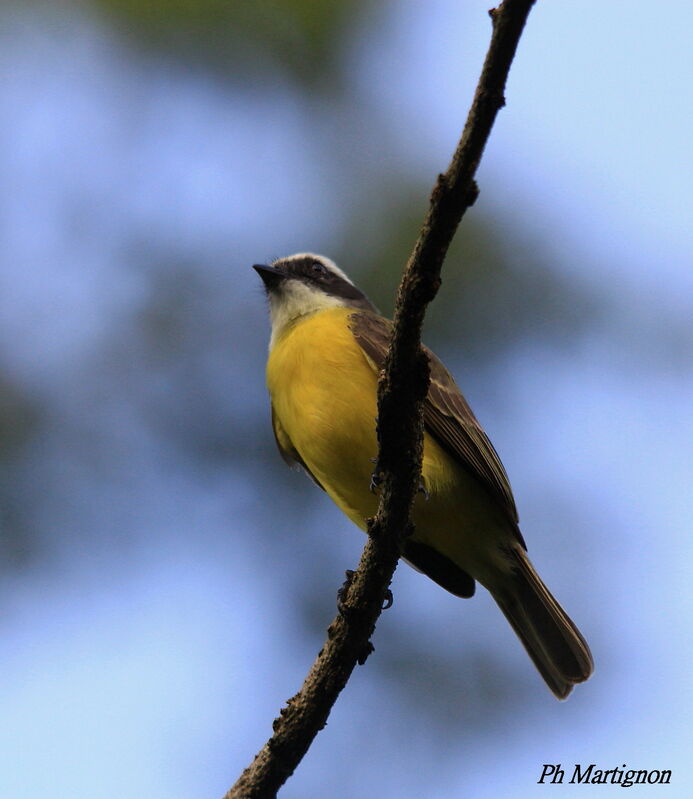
328 262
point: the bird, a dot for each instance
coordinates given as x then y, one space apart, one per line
327 346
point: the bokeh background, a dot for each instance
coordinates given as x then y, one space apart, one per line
165 582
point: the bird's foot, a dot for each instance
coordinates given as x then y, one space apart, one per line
364 653
368 647
376 478
341 593
421 489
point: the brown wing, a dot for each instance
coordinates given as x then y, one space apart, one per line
286 448
447 416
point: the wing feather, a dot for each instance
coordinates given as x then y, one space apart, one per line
447 416
287 450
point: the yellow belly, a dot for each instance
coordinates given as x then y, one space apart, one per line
324 395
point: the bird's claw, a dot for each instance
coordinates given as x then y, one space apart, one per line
376 481
343 611
365 652
421 489
341 593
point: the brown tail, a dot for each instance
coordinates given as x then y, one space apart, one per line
552 640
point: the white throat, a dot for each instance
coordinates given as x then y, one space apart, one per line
296 299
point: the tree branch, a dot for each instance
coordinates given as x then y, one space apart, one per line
402 389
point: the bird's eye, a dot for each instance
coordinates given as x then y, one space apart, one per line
318 269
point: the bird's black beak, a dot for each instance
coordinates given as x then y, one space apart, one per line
271 276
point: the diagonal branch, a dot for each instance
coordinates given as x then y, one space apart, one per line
402 389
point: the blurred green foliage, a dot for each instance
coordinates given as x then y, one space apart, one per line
498 286
20 415
301 37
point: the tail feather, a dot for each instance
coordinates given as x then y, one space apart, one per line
554 643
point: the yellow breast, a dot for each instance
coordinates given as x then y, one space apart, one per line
324 394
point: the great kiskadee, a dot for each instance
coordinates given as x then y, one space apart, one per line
327 346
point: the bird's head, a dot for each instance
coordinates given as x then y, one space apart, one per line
303 284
